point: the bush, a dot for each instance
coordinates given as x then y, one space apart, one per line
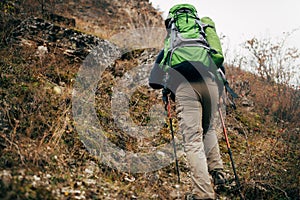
276 65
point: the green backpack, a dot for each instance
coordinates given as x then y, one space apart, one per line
190 38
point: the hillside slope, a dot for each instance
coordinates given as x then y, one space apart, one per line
42 153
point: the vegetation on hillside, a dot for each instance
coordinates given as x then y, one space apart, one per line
42 155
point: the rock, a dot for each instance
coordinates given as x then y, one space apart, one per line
4 121
55 18
44 34
42 50
247 102
174 194
57 90
89 181
6 178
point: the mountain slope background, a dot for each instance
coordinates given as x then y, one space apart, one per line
44 44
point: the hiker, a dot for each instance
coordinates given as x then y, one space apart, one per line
186 70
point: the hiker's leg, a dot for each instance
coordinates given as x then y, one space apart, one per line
211 145
214 161
212 150
189 111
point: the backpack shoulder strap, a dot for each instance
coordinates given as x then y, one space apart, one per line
201 26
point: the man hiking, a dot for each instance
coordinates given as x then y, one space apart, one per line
187 70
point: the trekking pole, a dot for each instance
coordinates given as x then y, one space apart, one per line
167 102
173 139
237 181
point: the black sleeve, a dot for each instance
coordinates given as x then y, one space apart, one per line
157 75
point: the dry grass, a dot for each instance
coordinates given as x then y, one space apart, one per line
266 137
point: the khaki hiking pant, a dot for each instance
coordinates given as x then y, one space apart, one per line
196 109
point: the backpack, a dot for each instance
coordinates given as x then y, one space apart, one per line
190 39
